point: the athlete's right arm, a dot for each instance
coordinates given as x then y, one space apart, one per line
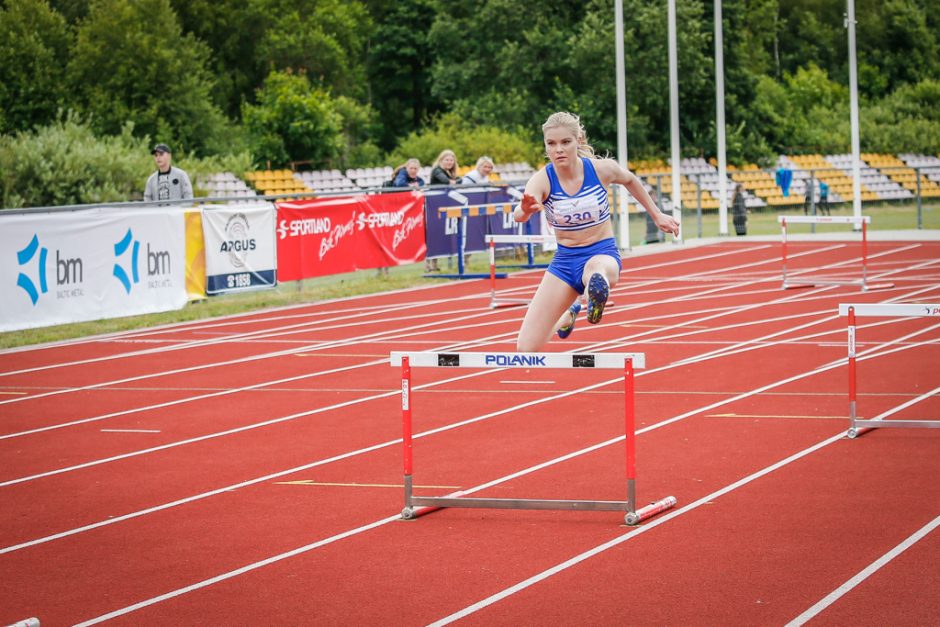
536 190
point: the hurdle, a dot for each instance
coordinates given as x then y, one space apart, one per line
419 505
463 212
862 220
529 241
893 310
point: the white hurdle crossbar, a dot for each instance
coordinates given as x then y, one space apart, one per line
491 241
891 310
418 505
809 282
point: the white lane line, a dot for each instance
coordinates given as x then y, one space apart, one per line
864 574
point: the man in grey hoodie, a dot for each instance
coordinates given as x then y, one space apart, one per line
168 182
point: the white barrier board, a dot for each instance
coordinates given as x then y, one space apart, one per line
518 360
58 268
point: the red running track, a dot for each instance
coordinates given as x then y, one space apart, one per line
247 470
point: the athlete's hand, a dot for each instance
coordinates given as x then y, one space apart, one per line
667 224
530 204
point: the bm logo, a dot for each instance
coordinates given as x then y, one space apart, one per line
158 261
68 272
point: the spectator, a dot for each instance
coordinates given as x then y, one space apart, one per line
168 182
739 210
407 175
481 173
444 169
824 198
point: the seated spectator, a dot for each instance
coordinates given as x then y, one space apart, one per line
480 174
444 170
407 175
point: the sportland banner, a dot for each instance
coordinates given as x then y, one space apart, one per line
58 268
326 236
240 247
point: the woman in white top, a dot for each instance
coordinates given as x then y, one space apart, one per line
572 192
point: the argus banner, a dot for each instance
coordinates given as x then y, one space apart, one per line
240 247
59 268
334 235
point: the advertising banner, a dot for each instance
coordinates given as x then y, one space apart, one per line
195 256
442 231
326 236
241 251
60 268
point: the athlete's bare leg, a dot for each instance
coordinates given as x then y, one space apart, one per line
547 311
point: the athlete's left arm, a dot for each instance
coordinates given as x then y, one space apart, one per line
610 171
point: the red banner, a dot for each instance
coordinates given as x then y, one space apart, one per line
334 235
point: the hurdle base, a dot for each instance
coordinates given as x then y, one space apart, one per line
877 286
420 505
789 285
863 426
644 513
462 276
496 303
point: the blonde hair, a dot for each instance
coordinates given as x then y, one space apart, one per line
447 153
572 123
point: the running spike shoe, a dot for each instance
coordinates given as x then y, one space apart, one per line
566 330
598 291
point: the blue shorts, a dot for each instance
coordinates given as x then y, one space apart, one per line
568 263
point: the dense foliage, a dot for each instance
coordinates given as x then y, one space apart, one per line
353 83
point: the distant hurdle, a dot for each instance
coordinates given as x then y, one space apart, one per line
418 505
463 212
900 310
529 241
810 282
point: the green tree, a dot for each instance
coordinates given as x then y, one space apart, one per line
468 141
131 63
399 59
33 41
232 29
65 163
326 39
296 121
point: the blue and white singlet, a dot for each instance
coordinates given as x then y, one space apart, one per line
589 207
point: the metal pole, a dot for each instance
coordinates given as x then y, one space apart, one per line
720 122
622 204
853 99
698 190
674 120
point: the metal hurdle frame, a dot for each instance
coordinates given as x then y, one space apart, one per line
464 212
529 240
863 220
418 505
894 310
